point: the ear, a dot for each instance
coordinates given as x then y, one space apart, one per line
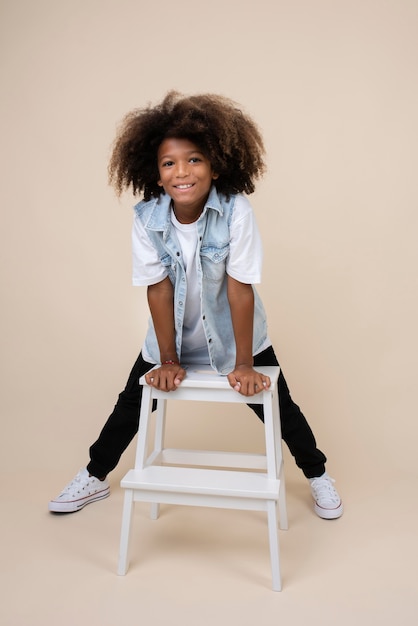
215 176
159 183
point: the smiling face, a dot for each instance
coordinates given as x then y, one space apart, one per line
186 175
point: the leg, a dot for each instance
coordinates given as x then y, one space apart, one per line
300 440
121 426
296 431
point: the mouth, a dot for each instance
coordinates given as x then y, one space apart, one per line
183 186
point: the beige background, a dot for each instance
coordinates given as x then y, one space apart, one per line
333 86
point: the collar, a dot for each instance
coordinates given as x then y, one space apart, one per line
160 216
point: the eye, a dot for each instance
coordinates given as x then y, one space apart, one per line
195 159
167 164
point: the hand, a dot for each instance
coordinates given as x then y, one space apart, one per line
166 377
247 381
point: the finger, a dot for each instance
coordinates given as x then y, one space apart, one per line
266 382
179 377
167 384
233 381
263 384
150 379
246 388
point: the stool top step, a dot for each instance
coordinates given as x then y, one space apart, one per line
205 377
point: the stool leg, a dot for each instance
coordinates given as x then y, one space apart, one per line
154 510
158 444
283 522
274 545
144 418
128 506
270 437
281 503
160 425
274 470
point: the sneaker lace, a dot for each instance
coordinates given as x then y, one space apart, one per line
324 490
74 485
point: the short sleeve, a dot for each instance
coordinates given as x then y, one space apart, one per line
246 252
146 265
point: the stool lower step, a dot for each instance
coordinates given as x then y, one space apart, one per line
202 481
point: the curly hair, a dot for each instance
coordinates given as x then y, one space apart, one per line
226 135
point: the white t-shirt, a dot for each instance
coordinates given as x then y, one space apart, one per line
244 263
194 346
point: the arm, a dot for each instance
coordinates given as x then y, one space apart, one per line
241 302
161 304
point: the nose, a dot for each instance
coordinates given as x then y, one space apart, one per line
182 169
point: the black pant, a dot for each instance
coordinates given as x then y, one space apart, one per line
122 424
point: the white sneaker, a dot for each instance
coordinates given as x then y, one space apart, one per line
328 504
82 490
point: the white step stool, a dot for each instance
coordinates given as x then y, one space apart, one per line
218 481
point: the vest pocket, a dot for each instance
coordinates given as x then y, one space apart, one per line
213 260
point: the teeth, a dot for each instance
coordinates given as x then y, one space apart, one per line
183 186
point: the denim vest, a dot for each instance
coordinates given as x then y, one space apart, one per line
212 253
